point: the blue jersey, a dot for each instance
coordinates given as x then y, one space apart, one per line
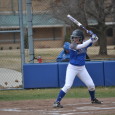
63 56
77 57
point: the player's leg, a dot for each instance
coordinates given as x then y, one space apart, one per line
70 76
87 80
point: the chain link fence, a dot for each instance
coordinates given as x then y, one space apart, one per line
10 56
48 32
49 35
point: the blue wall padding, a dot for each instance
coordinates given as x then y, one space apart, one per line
95 70
109 72
40 75
48 75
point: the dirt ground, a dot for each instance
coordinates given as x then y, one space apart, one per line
78 106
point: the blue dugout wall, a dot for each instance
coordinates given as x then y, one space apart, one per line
52 75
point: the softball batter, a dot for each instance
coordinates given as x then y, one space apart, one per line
76 66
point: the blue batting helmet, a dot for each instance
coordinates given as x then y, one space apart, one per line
66 45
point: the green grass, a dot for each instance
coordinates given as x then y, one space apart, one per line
13 57
10 95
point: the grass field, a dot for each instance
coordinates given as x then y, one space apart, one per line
12 58
32 94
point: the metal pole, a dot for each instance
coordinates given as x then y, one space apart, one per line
29 24
9 31
21 37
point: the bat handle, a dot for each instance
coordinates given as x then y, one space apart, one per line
88 31
83 28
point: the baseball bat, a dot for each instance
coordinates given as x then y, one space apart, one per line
79 24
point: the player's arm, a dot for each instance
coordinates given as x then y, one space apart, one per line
84 44
75 46
80 46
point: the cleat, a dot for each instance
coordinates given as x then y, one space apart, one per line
96 101
57 105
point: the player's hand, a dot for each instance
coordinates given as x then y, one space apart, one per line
94 38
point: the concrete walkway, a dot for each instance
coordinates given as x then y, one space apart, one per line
10 78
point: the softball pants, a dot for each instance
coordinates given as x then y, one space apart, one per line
81 72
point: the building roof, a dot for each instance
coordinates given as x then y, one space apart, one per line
94 22
39 20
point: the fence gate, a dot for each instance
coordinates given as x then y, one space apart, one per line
11 44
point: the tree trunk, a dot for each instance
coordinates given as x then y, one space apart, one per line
102 42
114 35
113 1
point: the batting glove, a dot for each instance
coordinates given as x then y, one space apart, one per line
94 38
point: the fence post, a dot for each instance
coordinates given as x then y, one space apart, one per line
29 24
21 37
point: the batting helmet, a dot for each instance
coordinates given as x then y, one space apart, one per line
77 33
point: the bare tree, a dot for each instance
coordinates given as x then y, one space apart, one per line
99 10
84 10
64 7
113 3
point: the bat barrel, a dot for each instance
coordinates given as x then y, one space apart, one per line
78 23
74 20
